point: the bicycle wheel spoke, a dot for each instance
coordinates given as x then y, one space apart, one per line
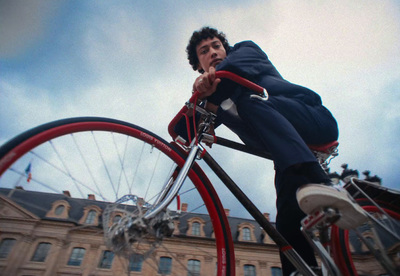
121 160
87 166
105 166
66 168
72 178
136 168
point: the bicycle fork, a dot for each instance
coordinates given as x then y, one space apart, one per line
172 187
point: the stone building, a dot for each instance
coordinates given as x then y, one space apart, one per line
55 234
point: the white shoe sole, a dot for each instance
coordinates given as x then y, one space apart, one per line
313 197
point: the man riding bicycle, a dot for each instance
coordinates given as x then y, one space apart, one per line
292 118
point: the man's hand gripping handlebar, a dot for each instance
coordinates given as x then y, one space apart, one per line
192 103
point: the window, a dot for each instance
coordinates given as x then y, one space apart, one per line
59 210
165 265
276 271
116 219
196 229
91 217
5 247
107 259
135 262
246 234
41 252
76 256
193 268
249 270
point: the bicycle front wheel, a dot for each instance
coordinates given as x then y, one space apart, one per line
49 171
353 256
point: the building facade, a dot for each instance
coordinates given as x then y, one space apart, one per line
54 234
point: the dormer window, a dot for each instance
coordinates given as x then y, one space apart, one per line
196 227
246 235
115 217
246 232
59 209
91 215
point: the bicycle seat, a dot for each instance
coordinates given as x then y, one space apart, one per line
327 148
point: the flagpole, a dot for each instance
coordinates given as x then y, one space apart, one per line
18 181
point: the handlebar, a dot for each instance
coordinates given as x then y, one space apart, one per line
219 74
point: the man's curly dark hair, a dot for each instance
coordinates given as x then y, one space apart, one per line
197 37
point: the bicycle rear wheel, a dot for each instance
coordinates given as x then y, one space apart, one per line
352 255
114 162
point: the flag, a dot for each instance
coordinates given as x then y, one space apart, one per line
28 172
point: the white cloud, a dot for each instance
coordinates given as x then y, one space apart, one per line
24 24
19 110
117 43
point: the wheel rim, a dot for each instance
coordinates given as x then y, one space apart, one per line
153 152
345 243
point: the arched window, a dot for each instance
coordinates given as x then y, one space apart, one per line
107 259
76 257
246 234
6 246
59 210
91 215
165 266
193 268
90 219
249 270
276 271
42 250
196 228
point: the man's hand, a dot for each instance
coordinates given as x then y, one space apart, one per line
206 84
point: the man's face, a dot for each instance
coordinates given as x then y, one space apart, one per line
210 52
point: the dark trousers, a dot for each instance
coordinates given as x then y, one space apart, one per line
284 126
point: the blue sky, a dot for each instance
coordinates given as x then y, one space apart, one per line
127 60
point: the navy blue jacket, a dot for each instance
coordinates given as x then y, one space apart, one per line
247 60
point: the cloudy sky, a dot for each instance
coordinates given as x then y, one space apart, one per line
127 60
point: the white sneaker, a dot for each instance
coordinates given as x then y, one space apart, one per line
313 197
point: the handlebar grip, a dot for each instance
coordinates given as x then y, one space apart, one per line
242 81
219 74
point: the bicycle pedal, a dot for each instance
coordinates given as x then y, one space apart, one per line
320 218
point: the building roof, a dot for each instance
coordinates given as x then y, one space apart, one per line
39 203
